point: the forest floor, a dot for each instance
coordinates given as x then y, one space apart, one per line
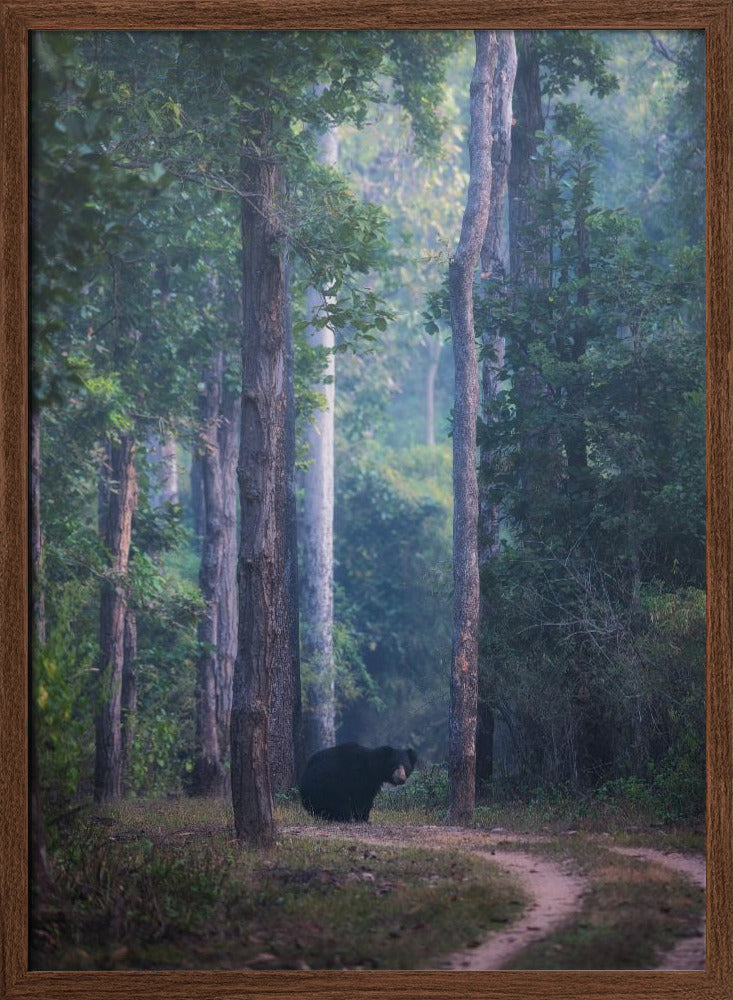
556 889
163 884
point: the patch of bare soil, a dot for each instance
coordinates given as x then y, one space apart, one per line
555 891
688 954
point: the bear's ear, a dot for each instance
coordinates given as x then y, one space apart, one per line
412 755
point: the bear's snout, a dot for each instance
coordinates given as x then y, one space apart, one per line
398 776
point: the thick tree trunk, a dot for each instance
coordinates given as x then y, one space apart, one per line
261 472
286 724
464 663
317 587
494 265
208 773
231 415
119 488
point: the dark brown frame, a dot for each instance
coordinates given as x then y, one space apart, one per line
18 17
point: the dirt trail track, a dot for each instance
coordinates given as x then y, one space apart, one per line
554 890
689 953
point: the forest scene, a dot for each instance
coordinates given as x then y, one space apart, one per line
367 493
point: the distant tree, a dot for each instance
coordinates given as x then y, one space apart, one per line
317 537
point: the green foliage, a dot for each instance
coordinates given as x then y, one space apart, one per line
392 554
595 637
62 700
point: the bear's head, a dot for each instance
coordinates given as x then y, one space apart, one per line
402 763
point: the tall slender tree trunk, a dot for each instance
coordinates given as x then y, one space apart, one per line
538 448
129 696
317 586
40 868
39 603
434 349
286 724
120 492
464 662
261 563
494 265
208 773
163 460
522 177
231 415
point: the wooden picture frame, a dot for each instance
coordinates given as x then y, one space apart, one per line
19 17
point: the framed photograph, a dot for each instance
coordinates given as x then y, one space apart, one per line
65 128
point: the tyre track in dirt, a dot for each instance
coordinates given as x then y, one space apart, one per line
688 954
555 892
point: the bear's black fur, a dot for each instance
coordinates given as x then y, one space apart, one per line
340 783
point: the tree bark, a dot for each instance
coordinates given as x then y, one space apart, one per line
434 348
39 603
40 868
537 448
528 121
129 696
231 415
464 662
494 265
261 473
119 487
163 461
208 772
286 724
317 590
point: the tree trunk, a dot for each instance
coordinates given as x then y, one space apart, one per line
129 696
537 448
434 348
208 773
494 265
119 489
261 472
197 497
231 415
163 462
317 589
286 724
528 121
464 663
39 603
40 868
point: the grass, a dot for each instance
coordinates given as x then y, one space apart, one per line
632 910
162 884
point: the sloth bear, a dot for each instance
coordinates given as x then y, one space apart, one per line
340 783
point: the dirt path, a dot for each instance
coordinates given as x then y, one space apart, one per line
555 891
555 895
688 954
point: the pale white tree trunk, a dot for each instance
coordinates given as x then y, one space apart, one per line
163 460
317 589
